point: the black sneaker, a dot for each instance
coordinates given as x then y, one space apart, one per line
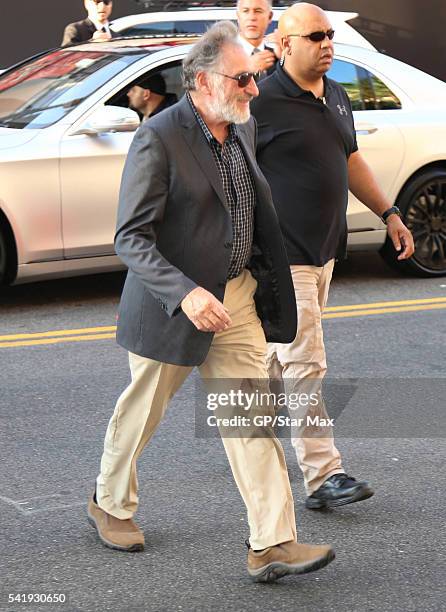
338 490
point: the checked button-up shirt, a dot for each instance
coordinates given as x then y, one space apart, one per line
239 191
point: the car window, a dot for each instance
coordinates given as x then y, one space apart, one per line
168 27
42 91
346 74
192 27
384 97
272 26
145 29
172 76
365 90
198 26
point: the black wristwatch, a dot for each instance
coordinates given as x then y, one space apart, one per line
394 210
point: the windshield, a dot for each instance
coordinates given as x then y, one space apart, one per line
41 92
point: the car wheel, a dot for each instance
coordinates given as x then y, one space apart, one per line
3 259
423 204
8 258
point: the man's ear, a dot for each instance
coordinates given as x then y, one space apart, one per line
285 44
203 82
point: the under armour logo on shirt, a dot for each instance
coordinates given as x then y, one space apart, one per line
342 110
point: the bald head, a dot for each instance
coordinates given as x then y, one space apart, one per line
301 16
306 59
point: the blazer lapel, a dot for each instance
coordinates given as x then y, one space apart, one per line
200 149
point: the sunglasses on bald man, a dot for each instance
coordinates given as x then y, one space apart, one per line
106 2
317 36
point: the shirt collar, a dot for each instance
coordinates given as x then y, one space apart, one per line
248 47
98 25
232 130
292 88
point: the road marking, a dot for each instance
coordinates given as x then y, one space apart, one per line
85 338
374 311
44 503
437 300
87 334
61 332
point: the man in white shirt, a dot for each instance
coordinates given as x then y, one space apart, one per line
254 17
95 27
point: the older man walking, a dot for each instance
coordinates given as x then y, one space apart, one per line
307 150
194 212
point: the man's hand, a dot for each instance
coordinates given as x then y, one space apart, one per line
261 61
205 311
364 186
273 41
98 36
400 236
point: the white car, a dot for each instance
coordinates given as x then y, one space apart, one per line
197 21
65 130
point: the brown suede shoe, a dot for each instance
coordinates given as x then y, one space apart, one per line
287 558
114 532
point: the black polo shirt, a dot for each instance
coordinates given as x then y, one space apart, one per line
303 148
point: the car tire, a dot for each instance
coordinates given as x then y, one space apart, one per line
3 258
423 205
8 259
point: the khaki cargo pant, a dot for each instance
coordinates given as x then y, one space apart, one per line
302 365
257 463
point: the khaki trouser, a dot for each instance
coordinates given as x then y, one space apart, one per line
302 365
257 463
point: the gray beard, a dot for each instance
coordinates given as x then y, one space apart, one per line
223 110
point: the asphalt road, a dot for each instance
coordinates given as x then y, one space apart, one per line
55 403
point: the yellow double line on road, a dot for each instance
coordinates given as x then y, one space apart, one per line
55 337
377 308
88 334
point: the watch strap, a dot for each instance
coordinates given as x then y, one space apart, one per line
393 210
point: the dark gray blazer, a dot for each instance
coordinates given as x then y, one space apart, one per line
80 31
174 233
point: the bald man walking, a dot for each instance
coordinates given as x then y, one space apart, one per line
308 152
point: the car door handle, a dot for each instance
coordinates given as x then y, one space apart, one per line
365 128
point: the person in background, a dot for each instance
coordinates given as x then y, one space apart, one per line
149 97
94 27
254 17
307 151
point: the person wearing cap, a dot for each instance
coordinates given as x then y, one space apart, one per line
94 27
149 96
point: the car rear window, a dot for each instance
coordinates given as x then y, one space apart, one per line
198 26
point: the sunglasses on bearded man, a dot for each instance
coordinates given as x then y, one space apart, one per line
243 79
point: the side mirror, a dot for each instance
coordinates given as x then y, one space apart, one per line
110 119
